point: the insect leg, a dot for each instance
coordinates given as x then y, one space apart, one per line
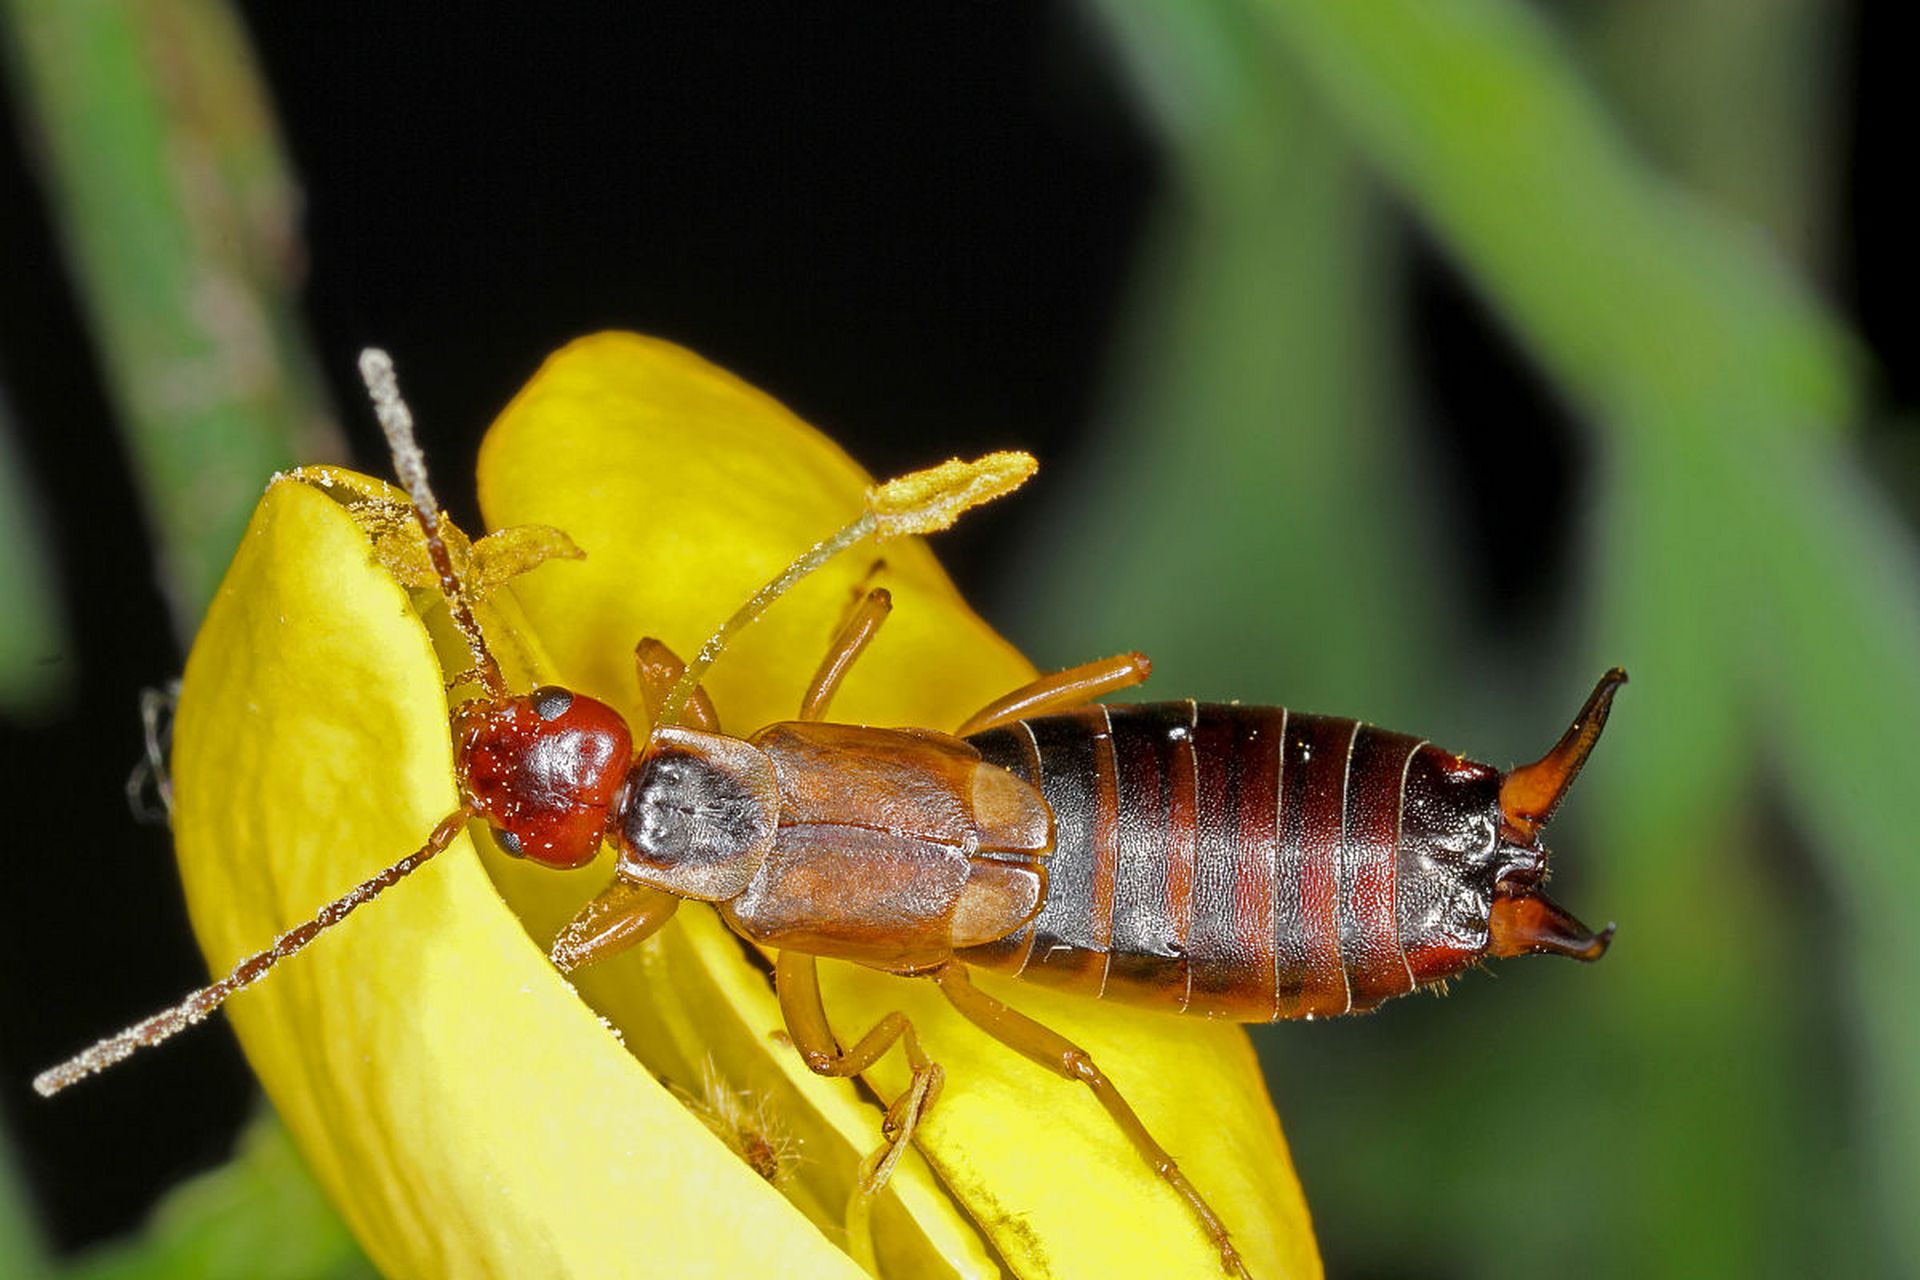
1060 691
620 916
659 668
845 649
858 595
1056 1053
797 980
151 776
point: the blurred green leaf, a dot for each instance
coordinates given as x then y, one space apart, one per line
1838 616
1721 386
32 632
158 154
22 1251
1223 459
1683 1097
163 173
259 1217
1744 106
1640 302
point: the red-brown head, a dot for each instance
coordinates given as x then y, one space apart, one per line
544 769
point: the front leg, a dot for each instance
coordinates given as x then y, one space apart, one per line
622 915
659 669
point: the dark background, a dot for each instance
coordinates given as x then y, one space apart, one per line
912 229
912 224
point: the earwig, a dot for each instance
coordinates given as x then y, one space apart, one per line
1250 863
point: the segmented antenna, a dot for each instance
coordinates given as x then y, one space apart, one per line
410 465
198 1005
396 421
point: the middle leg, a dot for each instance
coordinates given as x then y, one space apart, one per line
796 979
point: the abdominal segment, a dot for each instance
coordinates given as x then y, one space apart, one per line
1223 860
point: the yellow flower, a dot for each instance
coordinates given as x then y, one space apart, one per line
468 1110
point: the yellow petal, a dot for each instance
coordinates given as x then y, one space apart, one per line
466 1112
687 489
739 465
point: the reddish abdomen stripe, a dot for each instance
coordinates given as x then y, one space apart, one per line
1224 860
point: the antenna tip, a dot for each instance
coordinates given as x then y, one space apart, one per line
375 365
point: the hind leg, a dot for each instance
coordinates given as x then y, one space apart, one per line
797 982
1060 1055
1060 691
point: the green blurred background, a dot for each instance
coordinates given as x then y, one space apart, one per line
1408 360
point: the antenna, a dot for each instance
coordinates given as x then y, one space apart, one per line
197 1005
410 465
396 421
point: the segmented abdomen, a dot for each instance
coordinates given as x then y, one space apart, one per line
1231 861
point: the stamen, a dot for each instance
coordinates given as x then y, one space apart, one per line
930 500
924 501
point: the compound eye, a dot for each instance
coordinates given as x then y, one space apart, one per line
509 843
551 702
